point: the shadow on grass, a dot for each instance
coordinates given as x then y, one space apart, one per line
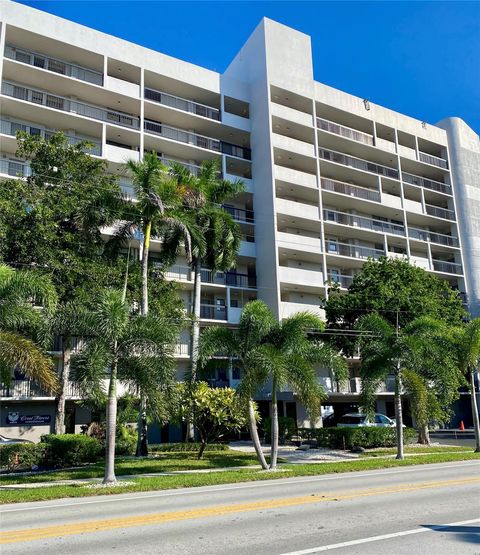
468 534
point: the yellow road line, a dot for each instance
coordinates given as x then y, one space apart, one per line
25 535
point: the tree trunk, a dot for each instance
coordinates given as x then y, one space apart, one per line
142 443
274 446
252 424
64 377
203 445
146 248
398 412
142 437
423 434
111 427
476 420
197 291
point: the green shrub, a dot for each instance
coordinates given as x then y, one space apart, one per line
287 427
186 447
126 441
22 456
70 450
346 438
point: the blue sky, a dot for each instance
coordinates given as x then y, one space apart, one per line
420 58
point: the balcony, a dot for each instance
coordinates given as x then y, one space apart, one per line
350 190
301 277
353 251
213 312
344 131
120 154
178 273
14 168
372 224
343 280
53 64
447 267
289 309
182 350
438 212
439 238
239 214
297 209
300 242
27 389
182 104
433 160
357 163
10 127
426 183
295 177
67 105
292 145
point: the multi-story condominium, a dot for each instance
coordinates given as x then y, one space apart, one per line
331 179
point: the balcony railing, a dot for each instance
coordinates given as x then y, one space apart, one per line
344 131
433 160
426 183
363 222
343 280
438 212
353 251
447 267
232 279
440 238
14 168
68 105
357 163
180 273
53 64
9 127
213 312
239 214
182 136
27 388
182 104
182 349
351 190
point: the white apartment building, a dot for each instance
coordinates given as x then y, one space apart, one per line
332 179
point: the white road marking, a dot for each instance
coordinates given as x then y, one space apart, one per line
438 527
249 485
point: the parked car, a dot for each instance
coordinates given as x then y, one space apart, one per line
9 440
359 420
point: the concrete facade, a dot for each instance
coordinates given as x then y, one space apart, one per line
332 179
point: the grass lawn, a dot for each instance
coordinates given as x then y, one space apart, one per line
159 462
227 477
418 450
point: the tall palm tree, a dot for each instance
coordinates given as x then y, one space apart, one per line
134 349
155 212
217 241
468 353
267 350
26 298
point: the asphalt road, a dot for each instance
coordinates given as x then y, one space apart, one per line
411 510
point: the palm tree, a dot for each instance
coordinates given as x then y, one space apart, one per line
155 212
134 349
26 298
468 353
266 350
217 239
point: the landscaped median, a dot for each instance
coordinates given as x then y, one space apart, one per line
18 490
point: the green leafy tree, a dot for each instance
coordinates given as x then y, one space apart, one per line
268 351
135 349
391 287
216 411
468 359
26 297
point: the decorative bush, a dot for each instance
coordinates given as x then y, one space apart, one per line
21 456
126 441
347 438
185 447
70 450
287 428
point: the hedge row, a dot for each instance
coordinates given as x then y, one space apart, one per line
185 447
54 451
347 438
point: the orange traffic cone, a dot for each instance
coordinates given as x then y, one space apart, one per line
462 426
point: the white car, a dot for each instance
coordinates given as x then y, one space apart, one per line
9 440
358 420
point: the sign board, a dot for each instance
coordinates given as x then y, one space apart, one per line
27 419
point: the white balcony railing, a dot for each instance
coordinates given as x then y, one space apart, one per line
440 238
447 267
14 168
357 163
433 160
439 212
350 190
182 104
372 224
426 183
344 131
353 251
343 280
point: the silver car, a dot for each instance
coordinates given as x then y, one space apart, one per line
9 440
358 420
